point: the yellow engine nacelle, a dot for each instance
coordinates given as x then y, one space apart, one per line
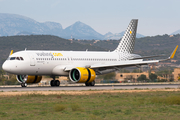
28 78
82 75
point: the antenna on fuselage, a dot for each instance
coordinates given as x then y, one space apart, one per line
25 49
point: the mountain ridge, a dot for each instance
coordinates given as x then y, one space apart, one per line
13 24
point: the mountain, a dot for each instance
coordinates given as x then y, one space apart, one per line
81 30
176 32
54 28
12 24
25 33
117 36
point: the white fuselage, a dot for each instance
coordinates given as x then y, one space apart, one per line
54 62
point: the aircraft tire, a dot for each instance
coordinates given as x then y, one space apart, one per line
52 83
23 85
92 83
87 84
57 83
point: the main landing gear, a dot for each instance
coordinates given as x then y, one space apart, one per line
90 84
54 82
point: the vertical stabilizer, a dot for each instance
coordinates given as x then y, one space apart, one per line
126 45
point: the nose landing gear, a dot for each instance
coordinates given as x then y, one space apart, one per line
23 84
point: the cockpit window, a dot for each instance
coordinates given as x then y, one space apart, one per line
21 58
12 58
15 58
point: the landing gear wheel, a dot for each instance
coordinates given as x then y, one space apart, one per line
52 83
57 83
87 84
23 85
92 83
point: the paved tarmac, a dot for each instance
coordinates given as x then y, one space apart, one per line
97 87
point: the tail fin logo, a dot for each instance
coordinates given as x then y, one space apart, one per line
126 45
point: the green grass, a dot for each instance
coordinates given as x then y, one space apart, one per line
59 107
76 107
105 106
170 100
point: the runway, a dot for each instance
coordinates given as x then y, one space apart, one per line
97 87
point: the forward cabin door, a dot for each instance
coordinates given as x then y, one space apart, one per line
32 59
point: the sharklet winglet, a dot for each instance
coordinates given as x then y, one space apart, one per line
173 53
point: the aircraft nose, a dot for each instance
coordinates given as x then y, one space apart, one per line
5 66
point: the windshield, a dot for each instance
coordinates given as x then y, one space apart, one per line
15 58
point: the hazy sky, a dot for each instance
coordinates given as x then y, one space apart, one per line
155 16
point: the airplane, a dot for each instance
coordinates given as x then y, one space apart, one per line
80 66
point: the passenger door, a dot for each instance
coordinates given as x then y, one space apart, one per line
32 59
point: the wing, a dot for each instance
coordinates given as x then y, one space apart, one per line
114 66
133 62
110 67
